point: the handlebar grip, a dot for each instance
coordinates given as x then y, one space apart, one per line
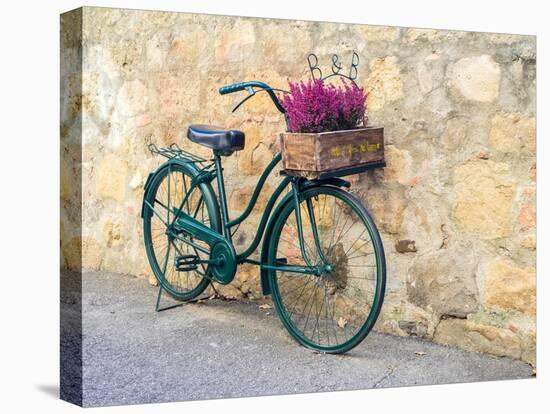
234 87
241 86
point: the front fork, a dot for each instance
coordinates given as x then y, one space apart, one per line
296 195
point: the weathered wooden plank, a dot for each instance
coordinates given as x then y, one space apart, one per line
307 155
298 150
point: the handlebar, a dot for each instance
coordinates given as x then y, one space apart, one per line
241 86
234 87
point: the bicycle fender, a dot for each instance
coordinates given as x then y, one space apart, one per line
335 181
264 281
193 170
306 185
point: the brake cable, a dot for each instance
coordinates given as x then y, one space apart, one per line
252 92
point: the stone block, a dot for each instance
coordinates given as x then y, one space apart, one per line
513 132
510 287
444 281
478 338
384 83
111 178
483 198
476 78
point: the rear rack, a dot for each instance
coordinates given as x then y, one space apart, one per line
175 151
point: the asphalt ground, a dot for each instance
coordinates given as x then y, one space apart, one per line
223 349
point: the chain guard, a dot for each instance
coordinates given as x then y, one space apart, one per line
223 262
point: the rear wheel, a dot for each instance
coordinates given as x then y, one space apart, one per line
334 311
171 188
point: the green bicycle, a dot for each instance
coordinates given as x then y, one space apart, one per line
321 260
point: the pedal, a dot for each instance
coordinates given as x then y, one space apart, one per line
281 260
187 262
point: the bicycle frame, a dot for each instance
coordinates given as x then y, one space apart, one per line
228 224
297 186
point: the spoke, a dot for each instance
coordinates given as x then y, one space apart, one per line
161 203
160 254
296 288
313 294
332 319
360 278
290 279
325 299
292 243
334 222
198 206
166 259
363 265
346 336
361 255
356 240
358 251
180 253
289 242
185 194
346 232
319 310
296 245
158 237
156 214
296 302
169 175
301 294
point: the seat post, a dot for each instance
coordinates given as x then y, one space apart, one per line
221 191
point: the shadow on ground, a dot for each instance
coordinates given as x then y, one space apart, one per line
50 390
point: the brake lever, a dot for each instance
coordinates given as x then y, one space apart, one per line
251 93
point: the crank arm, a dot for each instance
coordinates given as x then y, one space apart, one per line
189 262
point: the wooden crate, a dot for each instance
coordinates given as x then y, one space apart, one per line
339 152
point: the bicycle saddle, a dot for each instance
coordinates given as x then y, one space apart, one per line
217 138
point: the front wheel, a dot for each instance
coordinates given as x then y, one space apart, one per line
332 311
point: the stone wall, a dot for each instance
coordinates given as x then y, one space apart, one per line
455 205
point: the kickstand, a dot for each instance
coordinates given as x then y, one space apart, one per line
158 309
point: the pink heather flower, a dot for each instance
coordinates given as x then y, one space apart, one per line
316 107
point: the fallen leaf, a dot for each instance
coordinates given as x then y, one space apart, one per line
200 301
421 353
266 306
342 322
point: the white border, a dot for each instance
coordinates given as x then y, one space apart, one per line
29 128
